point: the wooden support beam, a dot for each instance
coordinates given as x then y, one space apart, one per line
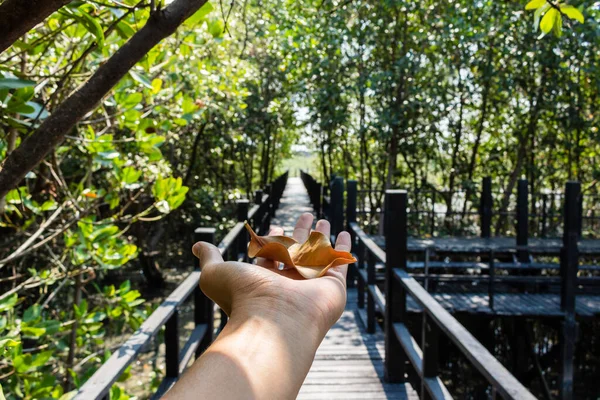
568 271
522 220
396 237
485 208
337 206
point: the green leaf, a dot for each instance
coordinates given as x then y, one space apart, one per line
2 393
95 317
68 396
15 83
548 20
124 288
141 79
200 14
538 15
216 28
41 358
533 4
38 111
557 29
8 303
32 313
125 30
93 26
8 342
572 12
156 85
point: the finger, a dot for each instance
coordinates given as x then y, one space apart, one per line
324 227
303 227
342 243
207 253
276 231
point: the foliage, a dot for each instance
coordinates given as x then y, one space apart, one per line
204 119
549 15
427 95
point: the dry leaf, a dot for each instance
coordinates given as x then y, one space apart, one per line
312 258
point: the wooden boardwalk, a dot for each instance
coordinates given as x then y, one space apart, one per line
349 362
474 245
513 304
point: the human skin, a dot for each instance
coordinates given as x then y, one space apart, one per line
277 319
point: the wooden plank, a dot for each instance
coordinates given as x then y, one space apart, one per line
504 382
99 384
437 389
370 245
378 297
230 237
410 346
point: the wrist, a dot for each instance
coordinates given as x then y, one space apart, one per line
282 318
266 348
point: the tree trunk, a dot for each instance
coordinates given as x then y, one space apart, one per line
32 151
17 17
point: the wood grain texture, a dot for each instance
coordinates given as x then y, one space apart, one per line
349 364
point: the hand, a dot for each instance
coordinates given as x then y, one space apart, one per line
277 321
264 291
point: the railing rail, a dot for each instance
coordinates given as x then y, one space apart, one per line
232 247
400 344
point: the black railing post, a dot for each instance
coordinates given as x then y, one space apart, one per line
544 214
258 195
522 221
242 240
172 345
259 217
337 206
396 237
203 306
351 194
568 270
580 216
485 209
319 200
269 190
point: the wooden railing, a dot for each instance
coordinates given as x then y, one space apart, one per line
401 347
232 247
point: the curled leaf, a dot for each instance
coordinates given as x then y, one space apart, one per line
311 259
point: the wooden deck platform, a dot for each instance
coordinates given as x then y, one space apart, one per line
513 304
540 246
349 362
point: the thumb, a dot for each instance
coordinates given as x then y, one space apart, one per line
207 253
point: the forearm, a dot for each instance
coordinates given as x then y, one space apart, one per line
254 357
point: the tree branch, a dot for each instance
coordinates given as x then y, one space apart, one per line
17 17
32 151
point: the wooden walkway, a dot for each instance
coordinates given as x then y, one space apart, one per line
349 362
472 245
511 304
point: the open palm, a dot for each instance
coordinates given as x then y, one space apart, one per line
266 291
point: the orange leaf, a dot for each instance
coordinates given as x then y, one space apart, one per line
312 258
